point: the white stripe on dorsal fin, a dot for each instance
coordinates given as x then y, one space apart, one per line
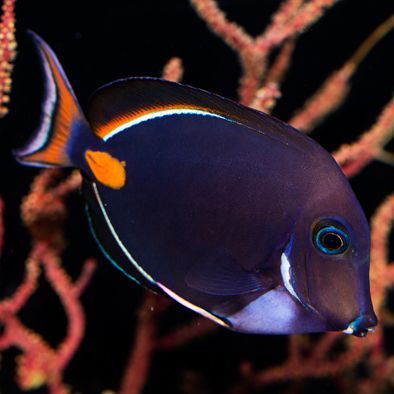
158 114
124 103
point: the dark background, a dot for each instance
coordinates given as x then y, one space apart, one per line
98 42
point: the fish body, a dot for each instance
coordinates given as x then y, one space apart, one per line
227 210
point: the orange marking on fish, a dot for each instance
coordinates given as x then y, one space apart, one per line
107 169
105 129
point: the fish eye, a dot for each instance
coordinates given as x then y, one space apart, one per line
330 239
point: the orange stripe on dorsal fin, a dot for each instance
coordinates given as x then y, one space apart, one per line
60 114
124 103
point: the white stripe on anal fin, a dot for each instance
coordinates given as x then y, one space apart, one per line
160 114
173 295
117 239
193 307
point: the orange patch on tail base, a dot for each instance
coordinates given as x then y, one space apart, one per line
107 169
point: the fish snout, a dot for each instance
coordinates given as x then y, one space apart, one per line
363 324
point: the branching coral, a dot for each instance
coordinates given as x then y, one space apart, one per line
39 363
335 89
263 70
7 52
293 17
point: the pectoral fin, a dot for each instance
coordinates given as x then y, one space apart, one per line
221 274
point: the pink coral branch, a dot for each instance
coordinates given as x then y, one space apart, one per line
280 66
292 18
266 97
64 288
254 65
306 15
40 202
85 277
173 70
353 158
286 12
335 89
1 224
7 52
378 366
326 100
382 274
295 348
40 364
13 304
308 367
234 35
137 367
182 335
326 342
70 184
36 364
44 210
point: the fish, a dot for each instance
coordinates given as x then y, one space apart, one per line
229 211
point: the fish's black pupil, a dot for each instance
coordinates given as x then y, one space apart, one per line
332 241
330 238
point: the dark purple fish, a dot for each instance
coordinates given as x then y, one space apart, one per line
227 210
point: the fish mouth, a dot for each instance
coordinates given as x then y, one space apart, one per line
361 326
360 333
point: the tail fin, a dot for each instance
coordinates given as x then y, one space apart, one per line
61 116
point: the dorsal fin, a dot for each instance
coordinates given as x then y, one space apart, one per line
122 103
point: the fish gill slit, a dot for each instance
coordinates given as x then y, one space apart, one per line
306 281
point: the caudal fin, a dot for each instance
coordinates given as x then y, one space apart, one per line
61 116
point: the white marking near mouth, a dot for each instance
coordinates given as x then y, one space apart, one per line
285 268
348 331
